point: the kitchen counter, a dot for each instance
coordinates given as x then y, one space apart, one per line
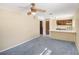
69 31
67 35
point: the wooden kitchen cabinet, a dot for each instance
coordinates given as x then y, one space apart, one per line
64 22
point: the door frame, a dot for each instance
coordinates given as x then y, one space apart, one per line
44 27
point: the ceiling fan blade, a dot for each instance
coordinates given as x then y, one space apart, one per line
25 7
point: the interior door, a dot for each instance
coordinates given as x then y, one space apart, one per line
47 27
41 27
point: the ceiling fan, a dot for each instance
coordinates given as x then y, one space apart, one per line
34 9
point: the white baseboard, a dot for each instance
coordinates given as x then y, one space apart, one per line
20 43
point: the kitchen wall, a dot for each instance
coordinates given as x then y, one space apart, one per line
16 27
53 23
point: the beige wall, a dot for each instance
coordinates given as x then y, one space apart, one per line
77 29
52 23
16 27
44 27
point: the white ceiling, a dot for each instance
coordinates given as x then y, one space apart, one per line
54 8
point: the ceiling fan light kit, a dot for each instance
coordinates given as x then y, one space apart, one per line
28 13
34 9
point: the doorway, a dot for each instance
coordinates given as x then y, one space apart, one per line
44 27
41 27
47 27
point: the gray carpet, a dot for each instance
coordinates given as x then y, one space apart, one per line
36 46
